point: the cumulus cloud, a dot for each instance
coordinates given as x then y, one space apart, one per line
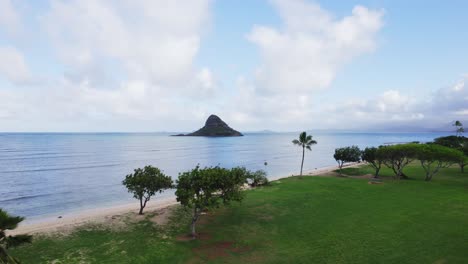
390 107
13 66
10 20
122 61
152 40
394 109
300 58
305 54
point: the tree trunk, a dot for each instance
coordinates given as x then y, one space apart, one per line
377 170
194 221
141 206
428 177
462 168
302 163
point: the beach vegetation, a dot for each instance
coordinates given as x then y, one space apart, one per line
201 189
145 183
347 154
433 157
459 130
257 178
305 142
456 142
397 157
8 222
369 155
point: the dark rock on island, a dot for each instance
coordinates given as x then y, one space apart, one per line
214 127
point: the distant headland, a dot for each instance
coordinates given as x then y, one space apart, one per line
214 127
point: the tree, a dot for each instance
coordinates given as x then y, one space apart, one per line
8 222
459 130
370 156
347 154
433 157
305 141
202 189
396 157
257 178
456 142
146 182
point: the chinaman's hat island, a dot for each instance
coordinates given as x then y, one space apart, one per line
214 127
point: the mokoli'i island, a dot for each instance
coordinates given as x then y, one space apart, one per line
214 127
200 131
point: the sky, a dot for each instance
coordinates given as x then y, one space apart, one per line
282 65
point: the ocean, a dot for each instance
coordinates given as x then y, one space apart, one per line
49 174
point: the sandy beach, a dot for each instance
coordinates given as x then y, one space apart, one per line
67 222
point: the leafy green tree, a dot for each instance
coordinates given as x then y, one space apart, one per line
146 182
433 157
347 154
203 189
8 222
456 142
305 141
258 178
459 130
370 156
397 157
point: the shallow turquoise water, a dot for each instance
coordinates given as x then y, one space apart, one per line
52 174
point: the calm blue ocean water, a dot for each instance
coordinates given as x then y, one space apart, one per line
43 175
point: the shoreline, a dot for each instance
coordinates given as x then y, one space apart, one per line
103 215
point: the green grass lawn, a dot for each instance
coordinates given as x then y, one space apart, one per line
295 220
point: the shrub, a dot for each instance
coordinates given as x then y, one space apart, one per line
347 154
146 182
370 156
201 189
396 157
258 178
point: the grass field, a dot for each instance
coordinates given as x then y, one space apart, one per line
295 220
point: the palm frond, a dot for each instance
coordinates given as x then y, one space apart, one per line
303 137
296 142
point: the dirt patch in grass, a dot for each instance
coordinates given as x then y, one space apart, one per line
162 216
220 249
188 237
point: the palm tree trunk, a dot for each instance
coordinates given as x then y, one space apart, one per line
302 163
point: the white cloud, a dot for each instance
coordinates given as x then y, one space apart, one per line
151 40
127 65
298 59
13 66
394 109
10 20
306 53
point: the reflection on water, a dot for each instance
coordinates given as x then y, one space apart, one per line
47 174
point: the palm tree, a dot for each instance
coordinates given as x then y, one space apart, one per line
8 222
458 128
305 141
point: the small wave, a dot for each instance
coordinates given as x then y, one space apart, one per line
31 196
63 168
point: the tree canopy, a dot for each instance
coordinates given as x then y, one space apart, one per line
397 157
370 155
209 187
347 154
456 142
433 157
146 182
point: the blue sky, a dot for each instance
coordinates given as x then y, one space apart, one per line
281 65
